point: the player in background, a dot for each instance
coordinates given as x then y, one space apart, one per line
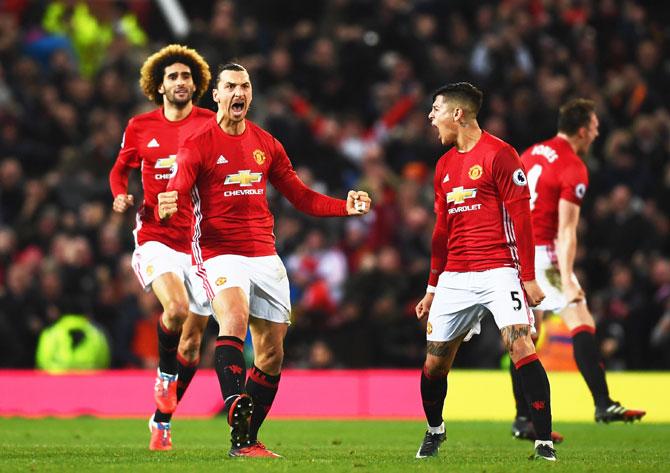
174 78
481 261
224 171
558 179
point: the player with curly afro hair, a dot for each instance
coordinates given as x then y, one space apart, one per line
173 78
153 71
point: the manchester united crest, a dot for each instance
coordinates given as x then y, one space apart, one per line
259 157
150 270
475 172
221 281
429 328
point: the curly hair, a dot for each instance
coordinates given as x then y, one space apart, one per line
153 70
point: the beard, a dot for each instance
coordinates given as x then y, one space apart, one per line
179 102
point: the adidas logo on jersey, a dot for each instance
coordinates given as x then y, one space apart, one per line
153 143
221 160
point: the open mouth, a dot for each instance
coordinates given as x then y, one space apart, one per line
238 106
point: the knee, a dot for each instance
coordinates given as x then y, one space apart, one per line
176 311
189 346
232 322
576 315
520 349
269 358
584 320
436 367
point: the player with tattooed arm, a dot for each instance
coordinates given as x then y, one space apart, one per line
481 261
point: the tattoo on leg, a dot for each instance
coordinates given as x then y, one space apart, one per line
439 348
511 334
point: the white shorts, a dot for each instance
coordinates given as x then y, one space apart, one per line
549 279
153 259
262 278
463 299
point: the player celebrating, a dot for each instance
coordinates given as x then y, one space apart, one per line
481 261
224 169
558 178
173 78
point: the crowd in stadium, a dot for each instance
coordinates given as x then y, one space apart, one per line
346 86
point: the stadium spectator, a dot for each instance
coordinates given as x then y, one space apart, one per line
624 328
91 28
145 338
660 334
72 343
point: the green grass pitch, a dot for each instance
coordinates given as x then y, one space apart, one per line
88 444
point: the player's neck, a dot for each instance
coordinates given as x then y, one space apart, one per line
571 141
229 126
175 114
468 137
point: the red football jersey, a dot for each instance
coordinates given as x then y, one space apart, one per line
151 142
480 198
554 172
226 178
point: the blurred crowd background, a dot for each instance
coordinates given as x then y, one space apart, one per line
346 86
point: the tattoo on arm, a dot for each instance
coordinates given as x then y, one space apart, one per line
511 333
439 348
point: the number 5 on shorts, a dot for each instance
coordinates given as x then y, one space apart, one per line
516 300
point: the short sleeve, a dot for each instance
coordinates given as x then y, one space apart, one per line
574 182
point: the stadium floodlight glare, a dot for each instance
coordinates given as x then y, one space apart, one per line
175 17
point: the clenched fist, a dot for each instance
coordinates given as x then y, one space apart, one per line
358 203
167 204
534 294
122 202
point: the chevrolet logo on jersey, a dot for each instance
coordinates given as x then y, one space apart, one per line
166 163
459 194
244 178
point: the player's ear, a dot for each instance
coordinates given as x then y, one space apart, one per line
215 95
